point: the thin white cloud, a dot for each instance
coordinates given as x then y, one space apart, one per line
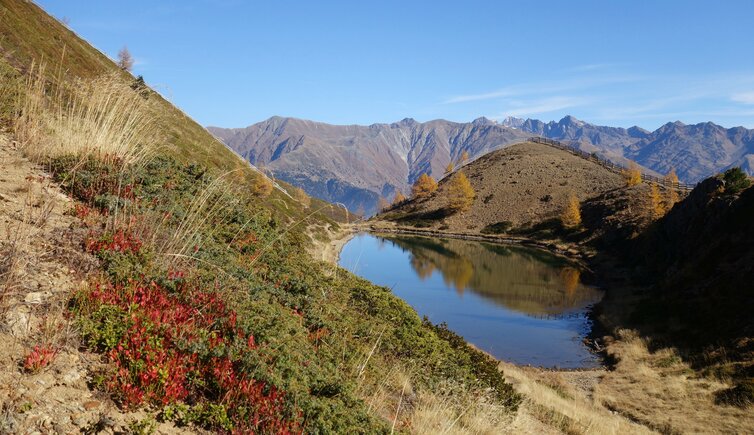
544 88
541 106
743 97
508 92
593 67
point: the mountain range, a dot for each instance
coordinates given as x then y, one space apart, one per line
356 165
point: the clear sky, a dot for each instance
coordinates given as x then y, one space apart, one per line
231 63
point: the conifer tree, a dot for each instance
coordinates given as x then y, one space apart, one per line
632 174
571 216
423 187
450 168
464 158
399 198
382 204
460 193
672 197
657 207
125 60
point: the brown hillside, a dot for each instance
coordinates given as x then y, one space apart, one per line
523 184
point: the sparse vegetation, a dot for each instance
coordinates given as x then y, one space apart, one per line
301 196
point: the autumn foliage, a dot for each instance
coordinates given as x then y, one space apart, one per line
672 197
262 186
571 216
399 198
632 174
172 337
39 358
382 204
657 206
460 193
423 187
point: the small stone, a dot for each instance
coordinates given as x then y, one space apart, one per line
18 321
71 377
36 298
91 405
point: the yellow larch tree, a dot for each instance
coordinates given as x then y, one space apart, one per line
262 186
657 207
571 216
423 187
449 168
632 174
399 198
382 204
460 193
464 158
672 195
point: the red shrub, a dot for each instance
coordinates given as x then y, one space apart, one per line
120 241
39 358
175 339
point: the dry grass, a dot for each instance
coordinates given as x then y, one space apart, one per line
552 401
101 118
453 409
662 392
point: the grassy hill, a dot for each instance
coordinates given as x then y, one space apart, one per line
515 188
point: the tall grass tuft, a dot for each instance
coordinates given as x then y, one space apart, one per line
102 118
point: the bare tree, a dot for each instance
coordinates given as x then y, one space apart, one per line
125 60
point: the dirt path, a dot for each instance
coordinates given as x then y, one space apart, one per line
41 266
329 251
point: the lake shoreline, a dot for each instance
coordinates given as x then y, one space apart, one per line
488 259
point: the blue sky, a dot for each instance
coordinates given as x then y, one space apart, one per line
231 63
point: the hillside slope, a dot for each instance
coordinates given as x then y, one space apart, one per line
175 290
356 164
29 36
522 185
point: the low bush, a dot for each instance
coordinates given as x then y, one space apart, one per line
498 228
735 180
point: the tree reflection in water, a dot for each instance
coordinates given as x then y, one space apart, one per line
529 281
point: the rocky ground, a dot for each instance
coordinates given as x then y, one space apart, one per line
41 266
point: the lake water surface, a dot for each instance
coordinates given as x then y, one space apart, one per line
520 305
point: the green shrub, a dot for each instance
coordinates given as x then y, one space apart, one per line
735 180
498 228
